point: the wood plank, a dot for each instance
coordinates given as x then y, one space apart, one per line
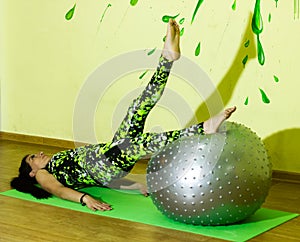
28 221
39 140
277 175
286 176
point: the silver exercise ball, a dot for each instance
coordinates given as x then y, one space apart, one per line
213 179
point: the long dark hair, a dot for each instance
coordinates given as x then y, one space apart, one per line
27 184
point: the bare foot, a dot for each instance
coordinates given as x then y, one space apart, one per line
171 50
212 125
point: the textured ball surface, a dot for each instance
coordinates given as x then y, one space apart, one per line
214 179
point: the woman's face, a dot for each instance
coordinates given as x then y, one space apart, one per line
37 161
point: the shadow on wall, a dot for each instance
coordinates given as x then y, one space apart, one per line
283 149
227 84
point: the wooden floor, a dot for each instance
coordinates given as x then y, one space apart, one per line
28 221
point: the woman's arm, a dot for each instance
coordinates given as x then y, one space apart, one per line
49 183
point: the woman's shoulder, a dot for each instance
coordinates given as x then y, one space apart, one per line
43 177
42 172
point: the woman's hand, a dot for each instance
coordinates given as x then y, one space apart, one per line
143 189
95 205
137 186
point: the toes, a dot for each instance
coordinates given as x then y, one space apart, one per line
173 23
229 111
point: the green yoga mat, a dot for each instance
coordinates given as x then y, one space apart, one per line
129 205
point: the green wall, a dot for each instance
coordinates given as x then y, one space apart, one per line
46 60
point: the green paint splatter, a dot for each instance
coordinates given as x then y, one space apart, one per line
245 60
269 18
260 52
164 38
69 15
296 8
276 1
246 44
181 21
181 31
141 76
133 2
264 97
151 51
257 28
276 79
197 50
196 10
234 5
166 18
108 5
257 22
246 101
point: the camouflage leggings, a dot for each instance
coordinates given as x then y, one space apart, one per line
129 144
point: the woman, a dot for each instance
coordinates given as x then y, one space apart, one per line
102 164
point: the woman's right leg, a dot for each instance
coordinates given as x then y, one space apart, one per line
150 143
132 149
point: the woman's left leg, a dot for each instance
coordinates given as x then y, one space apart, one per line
113 160
133 123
